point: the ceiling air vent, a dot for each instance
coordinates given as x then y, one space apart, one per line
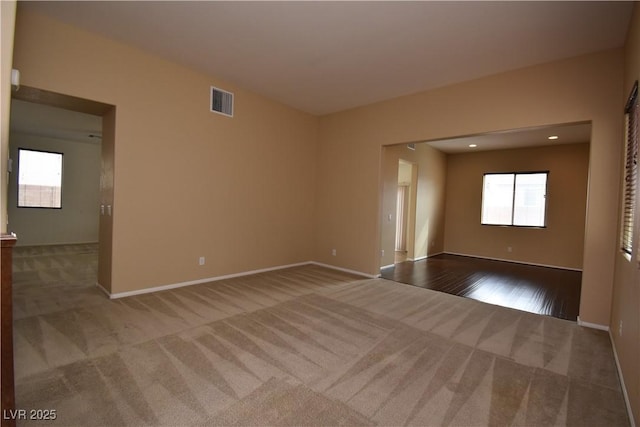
221 101
411 146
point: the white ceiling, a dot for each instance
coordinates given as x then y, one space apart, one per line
51 122
323 57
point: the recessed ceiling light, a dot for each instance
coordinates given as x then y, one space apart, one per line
473 145
553 137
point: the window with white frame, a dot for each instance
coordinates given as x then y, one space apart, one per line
39 179
515 199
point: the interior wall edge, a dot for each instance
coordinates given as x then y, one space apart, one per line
627 401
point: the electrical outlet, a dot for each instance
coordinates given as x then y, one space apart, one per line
383 252
509 249
201 261
620 329
333 252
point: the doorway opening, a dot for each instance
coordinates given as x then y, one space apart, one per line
83 132
449 228
405 211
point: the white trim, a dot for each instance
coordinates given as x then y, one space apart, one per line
103 289
624 388
346 270
593 325
430 255
199 281
515 261
228 276
420 258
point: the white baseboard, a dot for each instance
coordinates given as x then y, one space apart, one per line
199 281
420 258
226 276
515 261
624 388
386 266
593 325
429 256
345 270
103 289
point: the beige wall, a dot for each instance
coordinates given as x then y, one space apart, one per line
586 88
626 289
427 233
560 244
430 206
186 182
77 221
405 172
7 17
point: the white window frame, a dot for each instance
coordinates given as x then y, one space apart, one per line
514 195
26 195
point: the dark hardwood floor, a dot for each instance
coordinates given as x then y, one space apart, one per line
542 290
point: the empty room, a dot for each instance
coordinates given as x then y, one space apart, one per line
465 231
222 196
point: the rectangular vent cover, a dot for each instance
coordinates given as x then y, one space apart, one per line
411 146
221 101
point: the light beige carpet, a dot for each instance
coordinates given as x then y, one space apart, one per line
301 346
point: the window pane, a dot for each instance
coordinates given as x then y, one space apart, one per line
39 179
530 197
497 199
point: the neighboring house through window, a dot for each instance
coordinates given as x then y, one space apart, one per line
514 199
